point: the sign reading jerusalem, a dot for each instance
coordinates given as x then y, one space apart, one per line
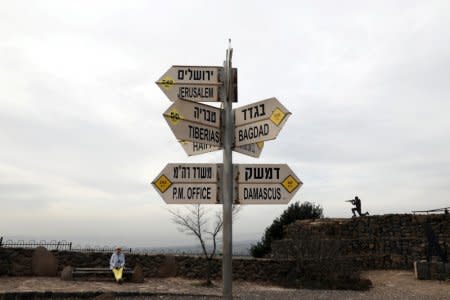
196 83
266 183
259 121
188 184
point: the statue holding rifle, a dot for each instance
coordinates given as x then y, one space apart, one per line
357 203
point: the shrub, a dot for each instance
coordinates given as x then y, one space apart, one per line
294 212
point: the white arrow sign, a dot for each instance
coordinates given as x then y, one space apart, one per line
253 150
194 132
194 112
194 148
259 121
188 184
266 183
196 83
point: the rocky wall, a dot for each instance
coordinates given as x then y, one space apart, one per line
377 242
17 262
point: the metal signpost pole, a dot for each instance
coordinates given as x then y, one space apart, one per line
227 187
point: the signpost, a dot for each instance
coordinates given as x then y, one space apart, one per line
266 183
188 183
203 128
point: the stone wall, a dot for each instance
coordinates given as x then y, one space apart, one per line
17 262
376 242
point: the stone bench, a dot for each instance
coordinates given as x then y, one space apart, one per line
99 273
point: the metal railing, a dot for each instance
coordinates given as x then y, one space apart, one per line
444 210
52 245
69 246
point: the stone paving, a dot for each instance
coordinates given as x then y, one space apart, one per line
387 285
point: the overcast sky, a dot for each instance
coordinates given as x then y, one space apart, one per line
82 133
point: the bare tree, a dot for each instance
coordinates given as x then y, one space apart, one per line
196 221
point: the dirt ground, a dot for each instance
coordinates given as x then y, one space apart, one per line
387 285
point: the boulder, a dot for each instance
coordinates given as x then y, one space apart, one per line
44 263
422 270
437 270
169 267
138 274
66 273
4 268
105 296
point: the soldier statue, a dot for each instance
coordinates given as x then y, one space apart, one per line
357 203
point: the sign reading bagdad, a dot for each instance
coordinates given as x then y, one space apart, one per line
266 183
188 183
259 121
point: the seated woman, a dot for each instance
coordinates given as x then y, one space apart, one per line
117 263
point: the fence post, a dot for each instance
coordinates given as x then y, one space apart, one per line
1 241
70 246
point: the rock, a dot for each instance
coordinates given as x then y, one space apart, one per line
4 268
168 268
66 273
44 263
138 274
105 296
447 269
422 270
437 270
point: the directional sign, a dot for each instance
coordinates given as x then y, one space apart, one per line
194 112
196 83
259 121
188 183
194 148
194 132
266 183
253 150
194 122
